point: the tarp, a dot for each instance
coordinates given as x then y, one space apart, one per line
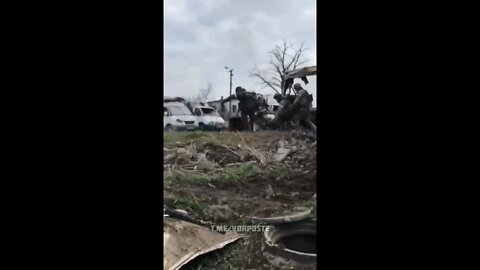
184 241
298 73
301 72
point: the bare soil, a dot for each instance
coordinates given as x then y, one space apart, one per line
249 197
260 195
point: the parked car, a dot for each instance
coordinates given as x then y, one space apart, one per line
208 118
176 116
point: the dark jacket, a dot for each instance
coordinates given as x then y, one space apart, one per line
247 101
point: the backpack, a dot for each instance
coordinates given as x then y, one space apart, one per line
291 98
310 98
250 95
261 102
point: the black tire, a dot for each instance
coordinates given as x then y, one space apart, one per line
169 128
201 126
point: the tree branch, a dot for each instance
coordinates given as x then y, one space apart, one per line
265 81
279 64
276 79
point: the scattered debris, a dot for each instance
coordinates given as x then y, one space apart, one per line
240 163
205 165
219 212
184 241
211 156
269 192
181 211
298 213
239 178
281 154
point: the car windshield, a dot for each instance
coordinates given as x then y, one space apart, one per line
179 110
210 112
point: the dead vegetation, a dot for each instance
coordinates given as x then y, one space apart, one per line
227 178
210 152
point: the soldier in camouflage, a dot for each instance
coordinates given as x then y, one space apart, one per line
294 109
300 108
248 105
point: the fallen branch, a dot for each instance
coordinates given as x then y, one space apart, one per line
231 151
240 163
261 158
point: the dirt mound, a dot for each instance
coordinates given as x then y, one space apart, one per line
232 148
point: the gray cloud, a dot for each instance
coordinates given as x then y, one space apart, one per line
202 37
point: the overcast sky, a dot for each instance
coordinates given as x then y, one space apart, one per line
201 37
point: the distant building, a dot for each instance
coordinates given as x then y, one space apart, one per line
226 114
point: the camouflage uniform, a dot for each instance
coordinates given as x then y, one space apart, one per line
294 109
248 105
301 107
283 116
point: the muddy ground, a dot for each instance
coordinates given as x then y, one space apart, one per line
226 178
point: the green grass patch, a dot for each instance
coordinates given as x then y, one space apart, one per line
188 178
282 170
234 174
239 173
189 204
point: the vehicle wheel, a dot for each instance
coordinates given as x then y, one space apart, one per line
169 128
201 126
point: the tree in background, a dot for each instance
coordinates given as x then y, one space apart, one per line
204 93
201 97
283 58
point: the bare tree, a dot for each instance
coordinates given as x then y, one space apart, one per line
202 96
283 58
205 93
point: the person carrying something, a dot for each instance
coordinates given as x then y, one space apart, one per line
247 105
283 117
300 108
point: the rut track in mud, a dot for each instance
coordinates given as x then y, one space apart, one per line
251 197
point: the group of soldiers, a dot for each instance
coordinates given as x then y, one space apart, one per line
293 112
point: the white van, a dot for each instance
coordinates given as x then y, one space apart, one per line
176 116
208 118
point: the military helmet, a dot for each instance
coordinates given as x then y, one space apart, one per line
277 96
239 89
297 87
